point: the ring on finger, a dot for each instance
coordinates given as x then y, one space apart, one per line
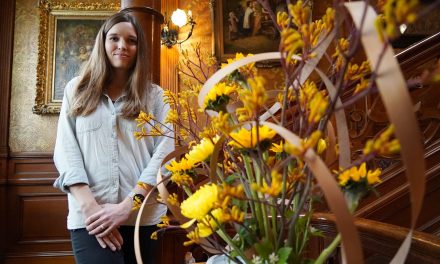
102 227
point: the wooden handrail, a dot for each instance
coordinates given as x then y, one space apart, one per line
420 52
384 239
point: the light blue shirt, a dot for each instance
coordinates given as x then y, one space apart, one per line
101 150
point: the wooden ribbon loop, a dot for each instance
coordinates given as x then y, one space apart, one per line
397 101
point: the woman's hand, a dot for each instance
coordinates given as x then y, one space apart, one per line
108 218
90 207
114 240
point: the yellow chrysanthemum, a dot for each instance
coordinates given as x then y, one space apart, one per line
198 205
202 151
182 165
218 97
209 224
245 139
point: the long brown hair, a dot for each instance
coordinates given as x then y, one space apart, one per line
97 73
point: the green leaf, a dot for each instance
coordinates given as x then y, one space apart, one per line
264 248
283 254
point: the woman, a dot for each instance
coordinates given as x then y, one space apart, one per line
102 166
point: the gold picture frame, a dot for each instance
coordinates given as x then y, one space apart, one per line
230 34
67 35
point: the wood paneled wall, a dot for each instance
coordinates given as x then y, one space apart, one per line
7 16
36 212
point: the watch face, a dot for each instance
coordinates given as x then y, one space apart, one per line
138 198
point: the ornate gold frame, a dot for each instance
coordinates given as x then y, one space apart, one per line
50 11
217 10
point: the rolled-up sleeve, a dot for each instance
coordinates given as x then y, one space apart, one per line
163 145
67 154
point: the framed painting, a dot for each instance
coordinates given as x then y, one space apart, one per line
244 26
66 39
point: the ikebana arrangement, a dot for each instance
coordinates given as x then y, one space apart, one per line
256 157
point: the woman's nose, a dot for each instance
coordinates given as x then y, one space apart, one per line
121 44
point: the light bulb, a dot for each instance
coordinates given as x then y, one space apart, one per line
179 18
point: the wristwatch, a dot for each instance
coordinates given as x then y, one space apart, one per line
136 197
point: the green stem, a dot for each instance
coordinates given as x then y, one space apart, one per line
262 207
231 243
255 205
326 252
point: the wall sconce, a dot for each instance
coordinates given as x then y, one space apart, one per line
179 18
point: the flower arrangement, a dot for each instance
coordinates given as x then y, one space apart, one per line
249 173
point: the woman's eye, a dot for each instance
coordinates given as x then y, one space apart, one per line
113 38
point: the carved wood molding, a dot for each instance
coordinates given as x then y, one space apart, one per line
7 17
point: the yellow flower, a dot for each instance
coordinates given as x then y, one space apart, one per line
154 235
341 49
182 165
209 224
221 122
232 191
356 175
140 134
277 148
307 143
275 188
218 97
198 205
202 151
396 13
245 139
247 69
322 146
181 179
362 85
291 41
383 145
165 221
253 99
373 176
172 116
173 199
283 20
169 98
300 13
355 71
144 118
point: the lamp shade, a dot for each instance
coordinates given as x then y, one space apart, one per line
179 18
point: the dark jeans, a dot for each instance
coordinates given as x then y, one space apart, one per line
88 251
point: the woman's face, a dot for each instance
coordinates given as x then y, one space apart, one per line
121 45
